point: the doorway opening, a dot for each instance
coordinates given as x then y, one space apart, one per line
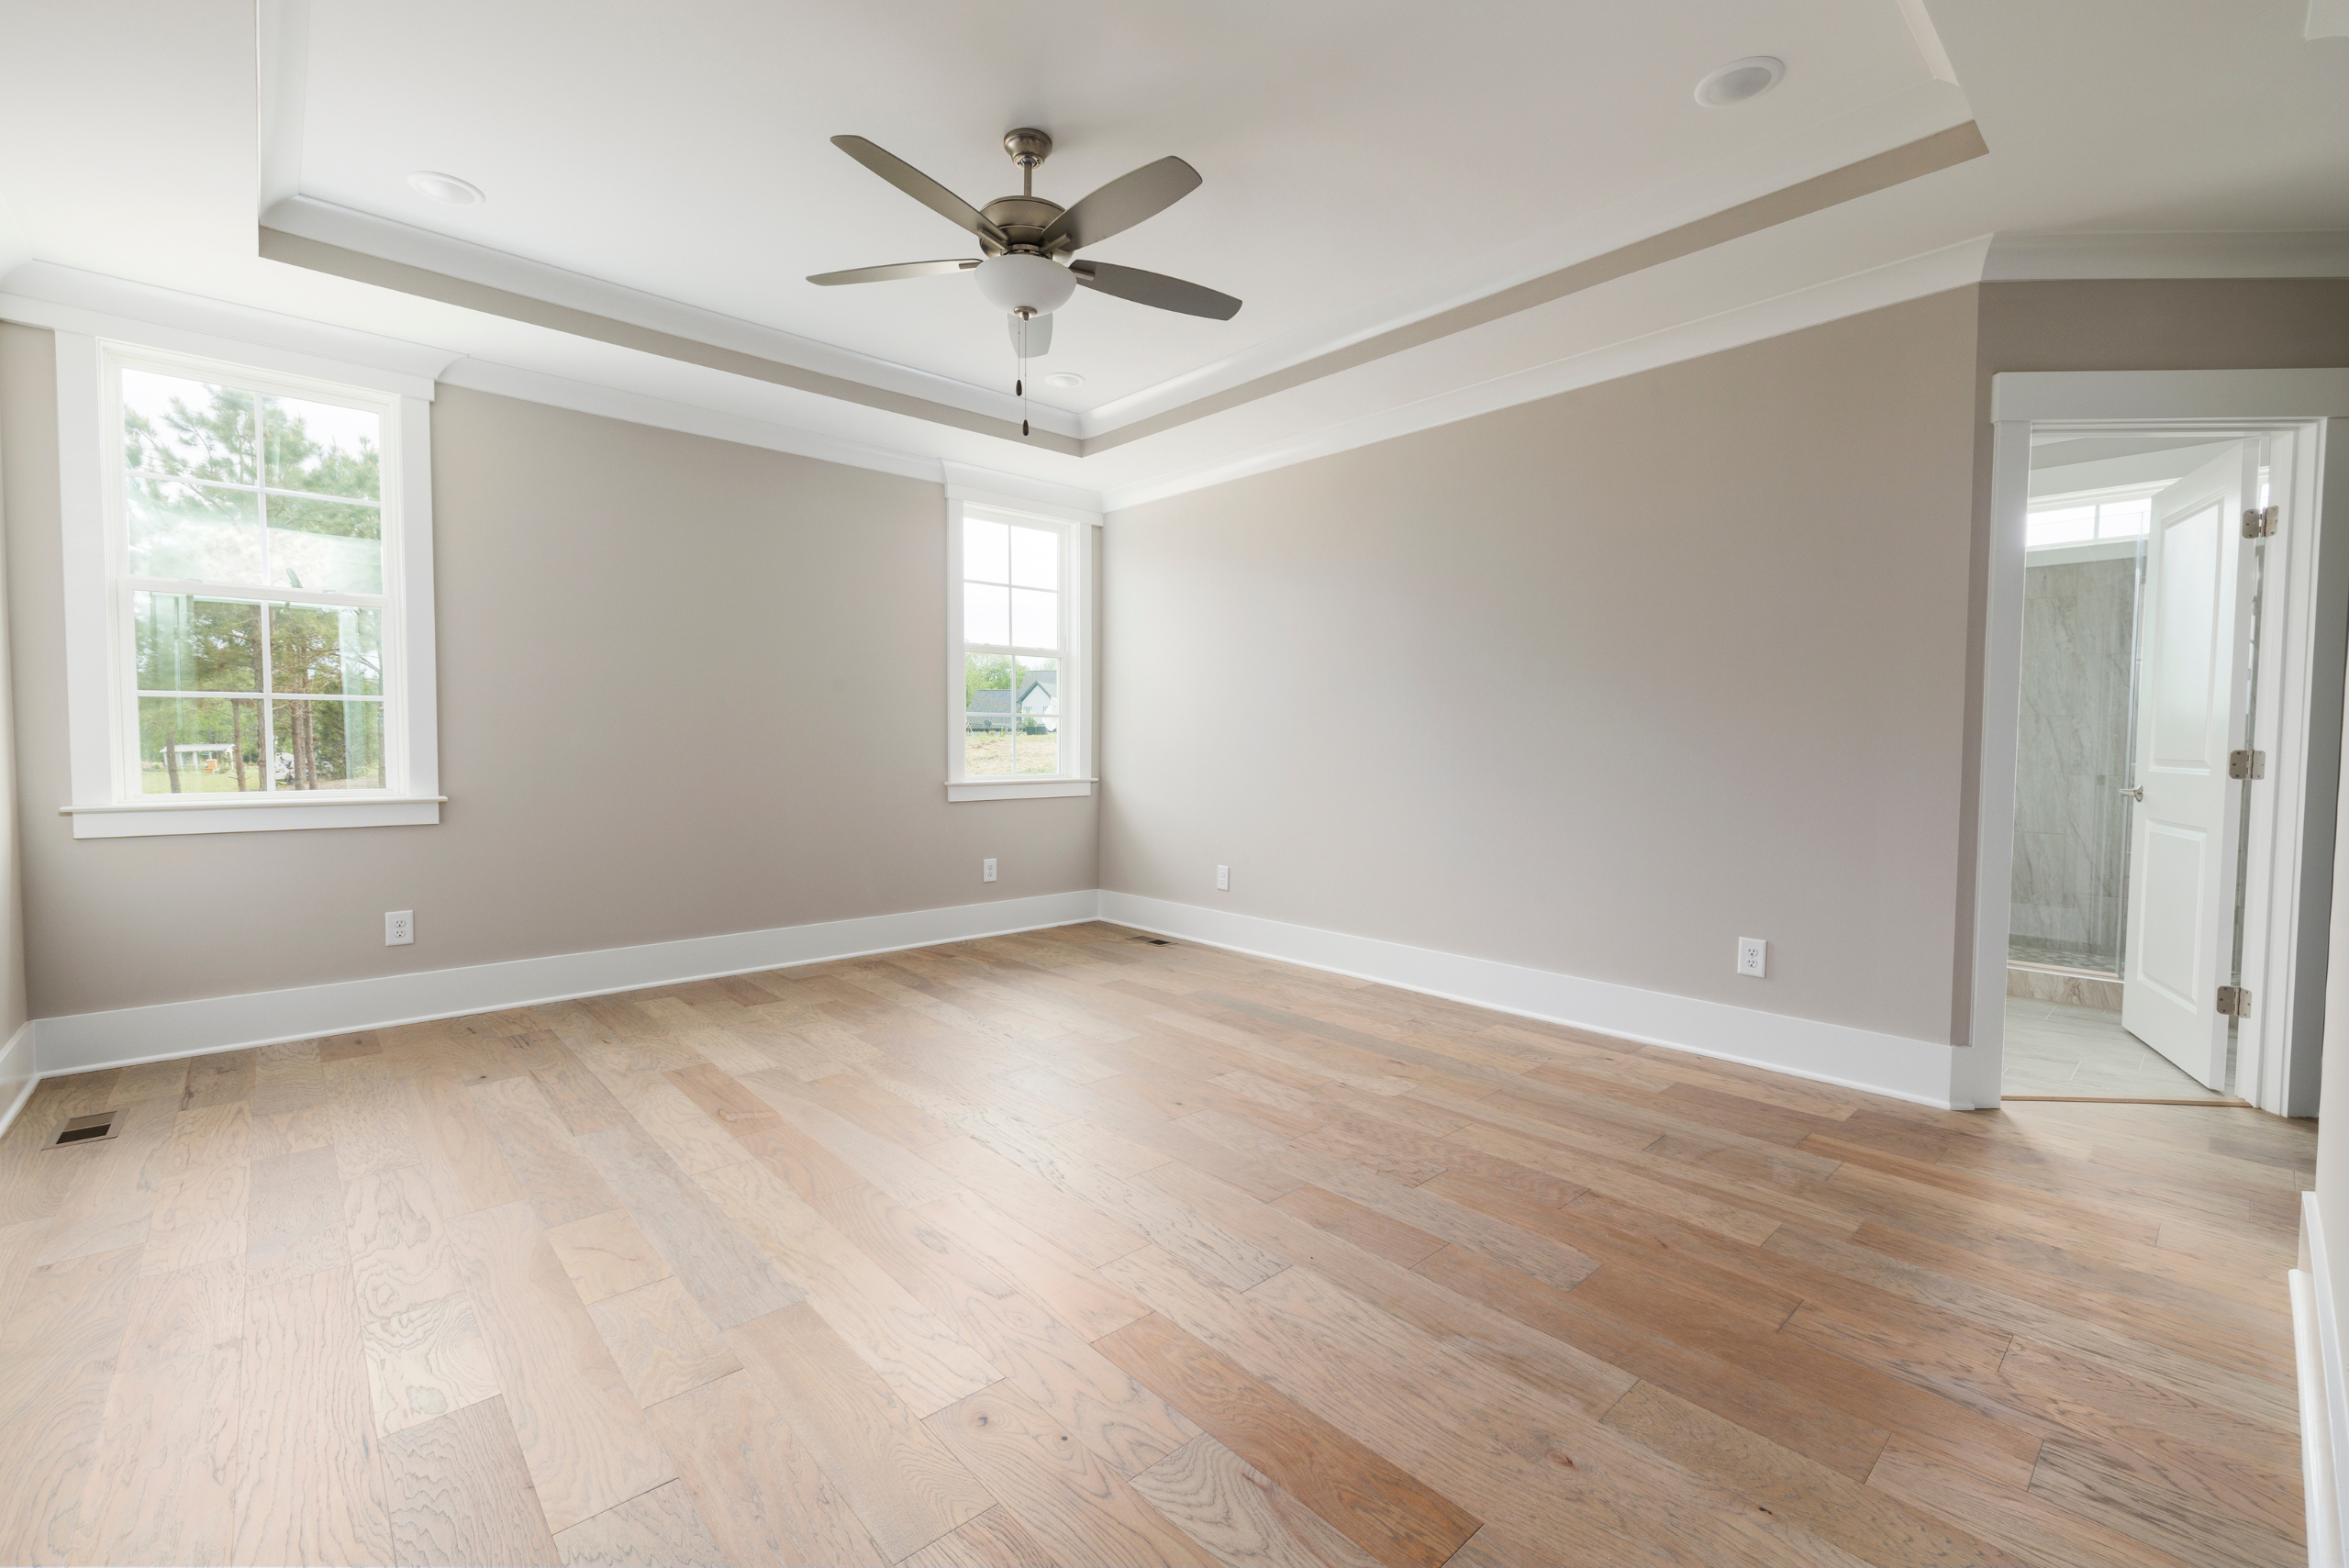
2142 606
2162 679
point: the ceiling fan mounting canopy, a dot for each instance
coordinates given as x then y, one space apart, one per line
1029 242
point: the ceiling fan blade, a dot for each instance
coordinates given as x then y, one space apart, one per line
894 270
1122 203
1155 289
921 187
1040 333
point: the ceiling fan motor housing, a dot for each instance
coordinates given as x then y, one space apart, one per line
1027 285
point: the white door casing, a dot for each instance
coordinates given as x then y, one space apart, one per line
2184 832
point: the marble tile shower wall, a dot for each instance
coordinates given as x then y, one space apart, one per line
2071 823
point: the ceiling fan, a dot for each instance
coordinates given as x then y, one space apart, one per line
1029 269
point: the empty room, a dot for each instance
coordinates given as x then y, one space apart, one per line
1333 784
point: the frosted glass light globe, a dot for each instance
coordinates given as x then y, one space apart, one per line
1016 282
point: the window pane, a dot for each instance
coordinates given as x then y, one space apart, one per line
986 614
199 531
2067 525
192 745
328 745
986 745
322 449
1035 618
333 546
325 648
182 643
2124 519
987 680
1035 558
1039 687
1039 745
174 425
986 550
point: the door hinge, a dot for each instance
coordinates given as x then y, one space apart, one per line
2258 522
2246 764
2234 1002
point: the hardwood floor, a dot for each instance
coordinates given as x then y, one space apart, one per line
1079 1248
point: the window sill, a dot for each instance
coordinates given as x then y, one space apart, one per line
251 814
1015 789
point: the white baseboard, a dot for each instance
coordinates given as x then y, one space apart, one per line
83 1041
18 1074
1915 1070
2325 1397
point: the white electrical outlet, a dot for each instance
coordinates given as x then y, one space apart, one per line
399 928
1223 879
986 871
1753 957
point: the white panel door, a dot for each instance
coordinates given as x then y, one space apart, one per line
2191 700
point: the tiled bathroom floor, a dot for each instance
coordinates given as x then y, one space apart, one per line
2055 1049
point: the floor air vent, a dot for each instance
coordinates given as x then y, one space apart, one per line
84 1129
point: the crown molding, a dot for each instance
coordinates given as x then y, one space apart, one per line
1955 266
1760 172
385 239
2223 253
666 414
66 299
1911 160
475 290
986 484
423 283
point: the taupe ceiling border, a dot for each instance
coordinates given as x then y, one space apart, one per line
295 250
1912 160
1925 156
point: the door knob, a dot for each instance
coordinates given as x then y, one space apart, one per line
2137 793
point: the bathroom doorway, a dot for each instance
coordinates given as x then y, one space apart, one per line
2141 609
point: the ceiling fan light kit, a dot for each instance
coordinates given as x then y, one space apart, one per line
1016 282
1029 271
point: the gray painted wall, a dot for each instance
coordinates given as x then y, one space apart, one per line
1597 684
2071 762
686 688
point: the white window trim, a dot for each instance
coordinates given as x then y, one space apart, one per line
96 693
1075 528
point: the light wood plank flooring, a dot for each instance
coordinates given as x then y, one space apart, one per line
1077 1248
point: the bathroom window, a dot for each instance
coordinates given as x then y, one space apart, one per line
2067 520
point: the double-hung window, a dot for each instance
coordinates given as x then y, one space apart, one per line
1018 680
248 591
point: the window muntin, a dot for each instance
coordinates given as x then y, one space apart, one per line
1016 640
249 553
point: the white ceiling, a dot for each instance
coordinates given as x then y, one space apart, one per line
1366 164
1349 148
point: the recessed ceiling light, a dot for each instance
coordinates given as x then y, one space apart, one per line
446 188
1740 79
1064 379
